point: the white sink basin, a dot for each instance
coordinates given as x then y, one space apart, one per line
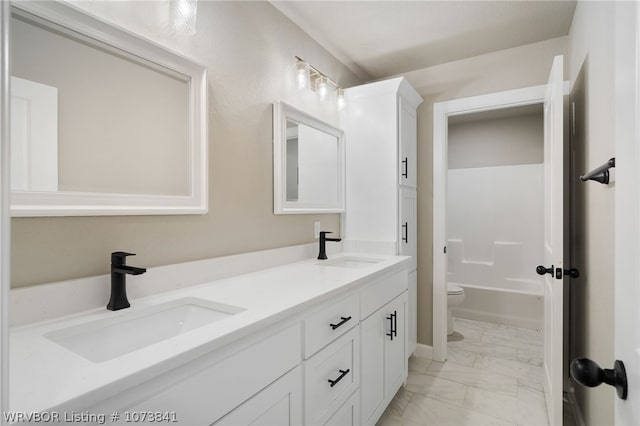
350 262
109 338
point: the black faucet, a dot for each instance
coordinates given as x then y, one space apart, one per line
119 269
323 249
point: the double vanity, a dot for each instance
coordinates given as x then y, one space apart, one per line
310 342
265 339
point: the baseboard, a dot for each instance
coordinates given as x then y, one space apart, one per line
424 351
513 321
573 403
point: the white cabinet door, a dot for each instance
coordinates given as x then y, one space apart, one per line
348 414
278 404
412 313
407 133
372 338
383 357
395 345
407 228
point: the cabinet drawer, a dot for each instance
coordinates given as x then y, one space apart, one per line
348 414
329 323
381 290
207 392
331 376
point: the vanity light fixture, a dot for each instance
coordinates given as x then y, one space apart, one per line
308 76
183 15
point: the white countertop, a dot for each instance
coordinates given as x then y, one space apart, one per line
46 376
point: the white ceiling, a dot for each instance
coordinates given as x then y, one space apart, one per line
378 39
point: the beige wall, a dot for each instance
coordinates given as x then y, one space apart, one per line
519 67
591 55
248 48
496 141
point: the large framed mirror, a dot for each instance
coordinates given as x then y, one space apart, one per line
308 163
104 122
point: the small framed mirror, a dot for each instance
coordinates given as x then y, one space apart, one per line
308 163
103 122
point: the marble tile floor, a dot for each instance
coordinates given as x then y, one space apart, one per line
493 376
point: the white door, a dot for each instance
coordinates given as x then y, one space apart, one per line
34 136
627 208
553 240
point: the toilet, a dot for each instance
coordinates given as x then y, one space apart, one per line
455 296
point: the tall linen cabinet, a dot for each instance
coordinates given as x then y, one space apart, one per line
380 125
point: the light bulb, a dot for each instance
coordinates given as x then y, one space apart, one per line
183 16
302 74
340 94
322 87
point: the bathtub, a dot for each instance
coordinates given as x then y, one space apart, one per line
518 305
504 290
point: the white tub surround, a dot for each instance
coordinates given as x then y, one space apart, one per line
494 227
492 252
198 373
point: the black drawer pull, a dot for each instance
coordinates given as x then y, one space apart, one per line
406 233
390 333
344 319
406 168
342 374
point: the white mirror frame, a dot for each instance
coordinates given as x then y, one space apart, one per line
281 113
34 204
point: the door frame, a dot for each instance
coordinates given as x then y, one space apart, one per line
627 206
5 224
441 113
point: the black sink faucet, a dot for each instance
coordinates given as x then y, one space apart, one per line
322 255
119 269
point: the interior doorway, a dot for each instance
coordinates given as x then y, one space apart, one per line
551 96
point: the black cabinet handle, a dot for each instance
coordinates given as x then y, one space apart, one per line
344 320
406 232
406 167
395 323
343 373
390 333
588 373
